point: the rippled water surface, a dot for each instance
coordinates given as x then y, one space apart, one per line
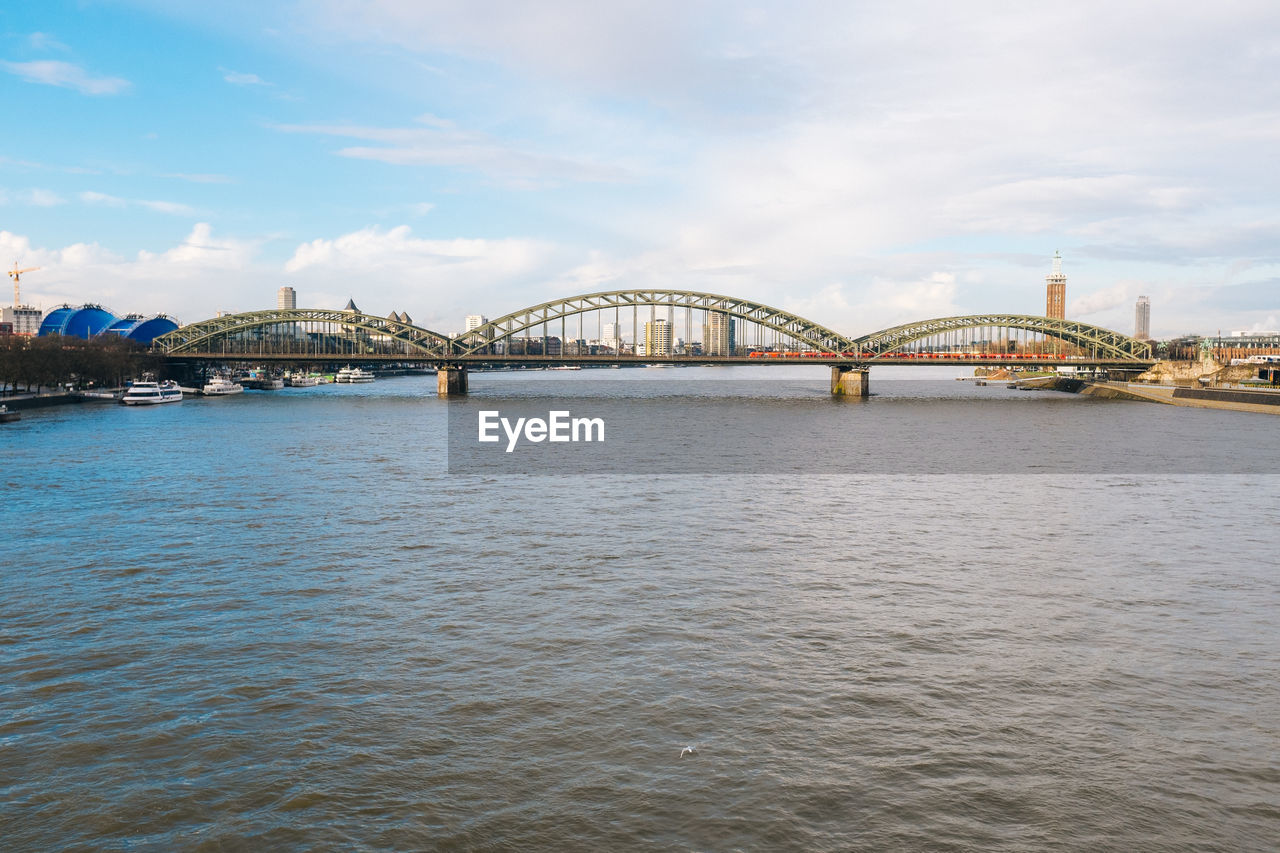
278 622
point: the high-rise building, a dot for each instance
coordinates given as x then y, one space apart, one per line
23 319
475 321
611 336
657 337
1055 290
717 334
286 298
1142 319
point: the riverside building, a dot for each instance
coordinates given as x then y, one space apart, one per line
1055 291
1142 319
717 334
657 337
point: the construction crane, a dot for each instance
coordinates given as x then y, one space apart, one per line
15 274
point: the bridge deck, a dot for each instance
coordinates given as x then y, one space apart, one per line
921 360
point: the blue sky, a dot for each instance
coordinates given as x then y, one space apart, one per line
861 164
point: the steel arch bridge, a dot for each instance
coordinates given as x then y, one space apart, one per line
359 333
795 327
319 333
1096 340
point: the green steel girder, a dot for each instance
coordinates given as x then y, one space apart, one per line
806 332
1100 342
1095 339
197 336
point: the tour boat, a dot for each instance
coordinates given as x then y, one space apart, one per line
221 386
302 380
150 393
7 416
353 374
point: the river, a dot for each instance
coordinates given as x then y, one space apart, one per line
944 618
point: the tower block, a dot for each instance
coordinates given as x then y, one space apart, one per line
1056 291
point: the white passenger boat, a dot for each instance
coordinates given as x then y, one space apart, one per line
353 374
221 386
150 393
302 380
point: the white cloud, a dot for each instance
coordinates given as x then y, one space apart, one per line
169 207
172 208
198 178
66 75
44 198
197 277
44 41
1120 293
35 197
241 79
437 280
440 144
91 197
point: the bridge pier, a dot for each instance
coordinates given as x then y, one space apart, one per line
850 382
451 380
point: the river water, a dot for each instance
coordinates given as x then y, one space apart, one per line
280 621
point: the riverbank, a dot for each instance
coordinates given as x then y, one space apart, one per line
1262 401
20 402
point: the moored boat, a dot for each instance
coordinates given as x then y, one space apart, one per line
301 380
221 386
149 393
353 374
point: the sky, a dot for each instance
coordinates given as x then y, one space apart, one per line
861 164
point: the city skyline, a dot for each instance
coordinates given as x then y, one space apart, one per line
859 165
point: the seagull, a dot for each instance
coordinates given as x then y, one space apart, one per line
688 750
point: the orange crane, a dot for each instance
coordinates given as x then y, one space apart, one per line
14 274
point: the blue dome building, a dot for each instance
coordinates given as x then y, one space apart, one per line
83 322
89 321
143 330
55 321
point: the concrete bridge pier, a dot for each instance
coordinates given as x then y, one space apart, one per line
451 380
850 382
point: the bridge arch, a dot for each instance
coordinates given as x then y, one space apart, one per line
803 332
1095 340
362 333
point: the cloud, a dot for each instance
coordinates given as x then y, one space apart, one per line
441 144
91 197
1121 293
437 280
44 41
1256 296
35 197
66 75
240 79
170 207
44 198
199 178
201 274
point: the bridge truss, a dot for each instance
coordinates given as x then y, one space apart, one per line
788 327
1093 340
530 332
306 332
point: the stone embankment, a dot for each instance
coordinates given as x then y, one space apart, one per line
1201 385
1196 373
